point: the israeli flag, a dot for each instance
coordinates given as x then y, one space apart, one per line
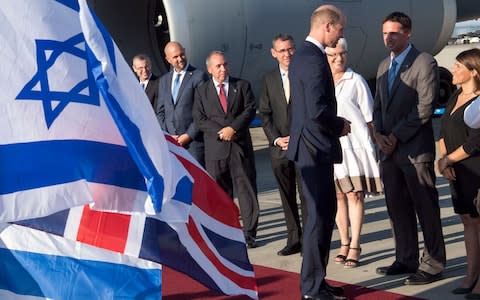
75 125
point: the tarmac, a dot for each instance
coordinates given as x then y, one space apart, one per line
376 239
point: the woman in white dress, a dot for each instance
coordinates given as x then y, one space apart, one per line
358 173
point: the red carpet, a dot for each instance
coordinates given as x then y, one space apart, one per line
273 284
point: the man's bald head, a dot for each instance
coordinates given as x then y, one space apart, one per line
175 55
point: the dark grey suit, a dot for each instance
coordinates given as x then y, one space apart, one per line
176 118
230 163
275 114
408 173
152 90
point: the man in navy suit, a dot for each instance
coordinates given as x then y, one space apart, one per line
142 66
274 109
314 144
176 91
223 109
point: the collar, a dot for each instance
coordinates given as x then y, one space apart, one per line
316 43
401 57
216 83
182 72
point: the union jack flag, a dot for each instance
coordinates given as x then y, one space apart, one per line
210 248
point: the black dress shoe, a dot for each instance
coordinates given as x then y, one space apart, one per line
395 269
324 295
251 243
289 250
472 296
335 290
422 277
462 291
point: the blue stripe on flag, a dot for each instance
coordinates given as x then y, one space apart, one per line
40 164
70 3
60 277
161 244
232 250
54 223
131 134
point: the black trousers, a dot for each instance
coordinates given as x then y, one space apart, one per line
237 173
287 178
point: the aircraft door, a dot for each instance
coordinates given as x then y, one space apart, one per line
207 25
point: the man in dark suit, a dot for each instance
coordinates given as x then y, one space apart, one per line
176 92
314 144
407 86
142 66
274 109
223 109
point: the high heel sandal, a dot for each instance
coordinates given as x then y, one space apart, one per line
351 263
467 290
340 258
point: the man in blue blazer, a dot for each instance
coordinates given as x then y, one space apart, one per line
314 144
175 101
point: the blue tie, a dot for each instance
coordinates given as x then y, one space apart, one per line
391 74
176 86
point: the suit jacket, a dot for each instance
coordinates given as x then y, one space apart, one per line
314 108
177 118
274 111
406 111
210 117
152 90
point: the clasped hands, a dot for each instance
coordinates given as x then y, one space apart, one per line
282 142
226 134
445 168
182 139
386 143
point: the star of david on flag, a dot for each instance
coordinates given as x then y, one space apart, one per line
78 125
38 88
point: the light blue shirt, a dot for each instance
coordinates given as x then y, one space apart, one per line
182 75
401 57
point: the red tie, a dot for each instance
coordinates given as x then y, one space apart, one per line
223 98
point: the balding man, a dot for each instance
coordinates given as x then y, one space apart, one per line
223 109
314 145
176 91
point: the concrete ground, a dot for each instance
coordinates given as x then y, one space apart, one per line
376 240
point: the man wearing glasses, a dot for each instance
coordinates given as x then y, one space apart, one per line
274 109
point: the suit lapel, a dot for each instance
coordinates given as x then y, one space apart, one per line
232 93
277 87
169 84
407 62
186 79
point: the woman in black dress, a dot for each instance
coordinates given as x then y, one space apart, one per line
459 147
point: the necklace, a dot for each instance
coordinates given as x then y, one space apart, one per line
465 95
